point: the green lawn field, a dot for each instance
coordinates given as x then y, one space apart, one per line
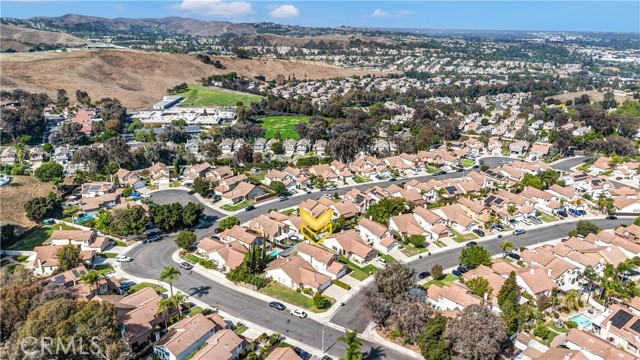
286 125
198 95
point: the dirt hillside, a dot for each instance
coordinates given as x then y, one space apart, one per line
138 78
32 36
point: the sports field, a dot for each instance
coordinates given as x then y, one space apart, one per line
286 125
198 95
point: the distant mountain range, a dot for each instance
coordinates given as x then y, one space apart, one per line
74 23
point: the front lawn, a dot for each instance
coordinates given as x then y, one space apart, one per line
121 243
432 170
109 255
357 272
20 258
242 329
236 207
195 311
199 95
460 238
546 218
411 250
467 163
293 297
446 280
361 179
104 269
390 259
286 125
159 289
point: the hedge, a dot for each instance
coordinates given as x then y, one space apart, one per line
341 284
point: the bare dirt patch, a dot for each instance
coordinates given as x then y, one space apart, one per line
594 95
138 78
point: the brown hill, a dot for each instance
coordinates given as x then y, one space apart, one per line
177 24
32 36
338 39
138 78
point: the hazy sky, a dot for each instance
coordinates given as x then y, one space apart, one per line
486 15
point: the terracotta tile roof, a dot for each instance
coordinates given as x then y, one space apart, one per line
220 346
300 271
375 228
284 353
319 254
407 224
353 243
185 333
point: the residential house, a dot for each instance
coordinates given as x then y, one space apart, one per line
594 348
186 336
372 232
451 297
407 225
243 191
86 239
320 148
45 260
223 345
295 272
350 244
322 260
223 255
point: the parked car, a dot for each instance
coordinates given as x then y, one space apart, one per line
123 258
326 357
441 173
308 191
612 217
185 265
478 232
331 188
424 275
381 261
476 166
456 273
191 192
393 179
299 313
277 305
519 231
514 256
151 239
249 208
563 213
535 220
472 243
459 170
126 284
283 198
462 269
498 227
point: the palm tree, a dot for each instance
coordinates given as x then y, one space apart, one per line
164 307
511 210
169 274
91 278
572 299
175 301
505 246
350 338
592 276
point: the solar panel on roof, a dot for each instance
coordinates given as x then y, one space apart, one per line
620 319
451 189
636 326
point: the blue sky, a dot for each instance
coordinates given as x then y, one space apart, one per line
623 16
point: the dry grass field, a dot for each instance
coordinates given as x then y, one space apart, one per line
593 94
13 197
139 78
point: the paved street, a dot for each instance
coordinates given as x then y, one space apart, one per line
351 313
149 259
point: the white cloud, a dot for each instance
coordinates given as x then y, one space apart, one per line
397 14
284 11
227 9
380 13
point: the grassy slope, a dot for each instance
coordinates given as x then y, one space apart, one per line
286 125
198 95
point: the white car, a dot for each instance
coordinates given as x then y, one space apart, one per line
299 313
122 258
145 196
381 261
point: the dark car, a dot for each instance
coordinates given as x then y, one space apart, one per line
191 192
151 239
424 275
326 357
514 256
563 213
308 191
472 243
478 232
393 179
442 173
612 217
462 269
277 305
249 208
476 166
456 273
185 265
283 198
460 170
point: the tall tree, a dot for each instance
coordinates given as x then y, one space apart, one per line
92 278
476 334
168 274
432 343
68 257
353 343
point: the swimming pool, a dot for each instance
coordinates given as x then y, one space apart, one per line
582 320
275 252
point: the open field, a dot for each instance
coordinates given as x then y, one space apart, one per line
27 37
37 237
13 197
286 125
199 95
140 78
593 94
